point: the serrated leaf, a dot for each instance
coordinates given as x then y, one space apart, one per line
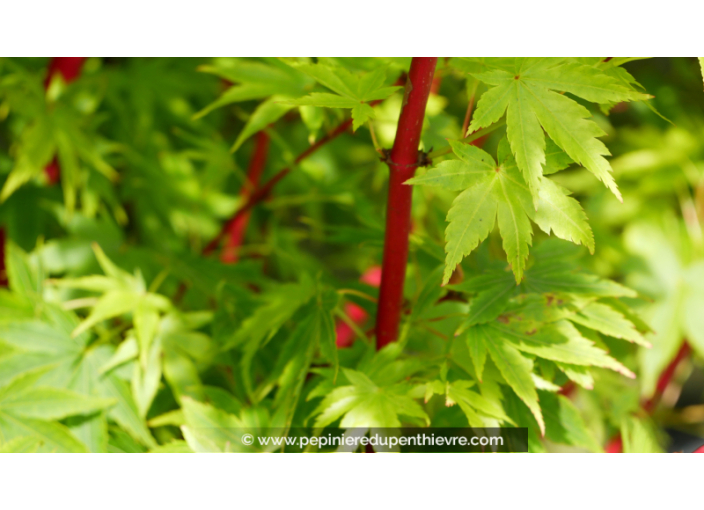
22 444
337 79
526 137
491 106
516 371
528 92
364 404
279 306
493 292
608 321
474 404
254 80
361 113
352 91
54 436
499 193
638 436
559 341
70 365
564 120
555 158
21 274
47 403
561 214
316 331
265 114
471 218
558 279
476 345
588 82
146 378
146 324
516 231
111 304
579 375
211 430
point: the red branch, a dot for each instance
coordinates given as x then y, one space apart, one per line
70 69
402 162
666 377
615 445
238 228
262 192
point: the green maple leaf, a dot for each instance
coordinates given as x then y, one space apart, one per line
55 128
559 341
479 410
515 368
278 306
208 429
365 404
71 364
28 410
529 90
639 436
493 291
552 272
604 319
352 91
519 331
273 81
122 293
43 341
676 313
498 194
316 331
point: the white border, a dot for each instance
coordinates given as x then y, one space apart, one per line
349 28
389 481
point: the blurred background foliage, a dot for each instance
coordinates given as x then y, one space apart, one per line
137 341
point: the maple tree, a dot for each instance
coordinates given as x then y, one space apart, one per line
247 244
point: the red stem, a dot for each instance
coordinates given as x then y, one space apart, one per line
616 444
238 228
68 67
666 377
262 192
402 162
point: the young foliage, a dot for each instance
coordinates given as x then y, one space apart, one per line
375 396
122 331
493 194
272 80
351 90
517 327
529 91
